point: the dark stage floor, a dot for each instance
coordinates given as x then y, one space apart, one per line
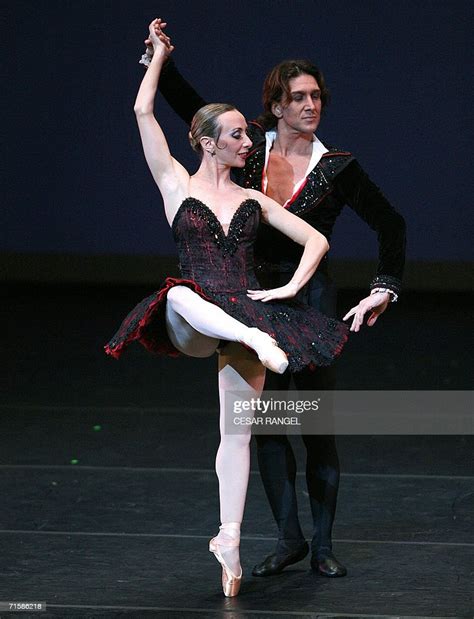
109 495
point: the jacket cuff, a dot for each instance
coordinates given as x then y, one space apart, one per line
392 284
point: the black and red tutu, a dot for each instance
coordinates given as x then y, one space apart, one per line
219 268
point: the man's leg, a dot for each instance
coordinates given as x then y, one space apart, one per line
322 462
277 465
322 479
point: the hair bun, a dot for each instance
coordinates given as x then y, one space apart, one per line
192 140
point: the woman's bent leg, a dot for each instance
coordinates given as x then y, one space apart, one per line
195 327
183 336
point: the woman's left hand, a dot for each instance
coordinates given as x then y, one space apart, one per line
376 302
284 292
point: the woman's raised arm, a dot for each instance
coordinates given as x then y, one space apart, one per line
170 176
177 91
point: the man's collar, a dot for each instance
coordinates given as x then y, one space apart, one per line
318 150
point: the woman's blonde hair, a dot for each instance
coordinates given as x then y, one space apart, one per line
205 123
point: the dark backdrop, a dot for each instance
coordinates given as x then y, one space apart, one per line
77 183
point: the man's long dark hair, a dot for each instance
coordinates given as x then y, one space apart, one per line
276 87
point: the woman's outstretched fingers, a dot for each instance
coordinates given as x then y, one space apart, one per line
260 295
275 294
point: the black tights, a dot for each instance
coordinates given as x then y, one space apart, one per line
278 471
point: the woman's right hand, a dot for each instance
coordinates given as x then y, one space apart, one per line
157 39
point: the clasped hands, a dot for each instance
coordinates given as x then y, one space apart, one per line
157 38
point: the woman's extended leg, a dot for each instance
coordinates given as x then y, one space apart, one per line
239 372
195 327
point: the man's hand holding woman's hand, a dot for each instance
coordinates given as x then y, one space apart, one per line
157 39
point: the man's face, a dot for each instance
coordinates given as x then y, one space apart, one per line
303 110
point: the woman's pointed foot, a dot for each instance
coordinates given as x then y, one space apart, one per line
270 355
220 545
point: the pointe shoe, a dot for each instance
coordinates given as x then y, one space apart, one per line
267 350
230 582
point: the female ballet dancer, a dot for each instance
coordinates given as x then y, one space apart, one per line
216 305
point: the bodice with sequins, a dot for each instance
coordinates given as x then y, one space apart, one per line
220 268
217 261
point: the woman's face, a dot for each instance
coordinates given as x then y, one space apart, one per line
233 144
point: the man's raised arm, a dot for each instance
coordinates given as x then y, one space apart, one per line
179 94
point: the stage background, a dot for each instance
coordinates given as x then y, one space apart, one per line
78 201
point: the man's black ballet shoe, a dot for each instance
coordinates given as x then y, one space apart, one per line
276 563
328 566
